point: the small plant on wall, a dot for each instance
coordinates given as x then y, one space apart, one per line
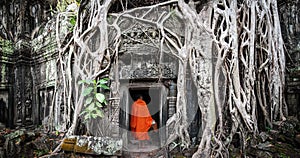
94 99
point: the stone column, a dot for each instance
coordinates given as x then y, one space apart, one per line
23 89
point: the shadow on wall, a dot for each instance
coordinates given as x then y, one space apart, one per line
3 112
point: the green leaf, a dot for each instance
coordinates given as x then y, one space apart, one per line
87 91
86 117
100 97
89 81
82 113
94 116
91 107
100 113
73 20
86 81
103 86
98 104
88 100
81 81
102 81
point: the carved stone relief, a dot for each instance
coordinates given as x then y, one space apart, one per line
23 100
28 96
18 100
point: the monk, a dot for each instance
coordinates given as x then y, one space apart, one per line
141 120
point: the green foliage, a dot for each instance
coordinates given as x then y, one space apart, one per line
40 152
268 128
283 155
94 100
63 4
6 46
15 134
73 20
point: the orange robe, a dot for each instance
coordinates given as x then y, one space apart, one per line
141 120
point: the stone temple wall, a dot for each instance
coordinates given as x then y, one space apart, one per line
145 65
28 71
21 69
6 83
290 26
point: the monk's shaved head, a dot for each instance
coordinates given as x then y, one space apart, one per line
139 96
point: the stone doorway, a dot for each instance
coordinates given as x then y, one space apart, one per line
155 97
152 98
3 108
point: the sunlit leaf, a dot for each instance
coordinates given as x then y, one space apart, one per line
81 81
103 86
86 117
82 113
89 81
98 104
102 81
87 91
91 107
100 97
88 100
94 115
100 113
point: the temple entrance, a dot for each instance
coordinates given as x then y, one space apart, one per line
155 97
3 108
152 98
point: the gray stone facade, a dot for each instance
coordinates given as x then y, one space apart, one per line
20 65
290 24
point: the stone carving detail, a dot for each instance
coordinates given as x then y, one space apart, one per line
28 111
18 102
140 35
153 71
141 55
23 90
27 101
148 71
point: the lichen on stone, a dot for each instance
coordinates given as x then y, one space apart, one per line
101 145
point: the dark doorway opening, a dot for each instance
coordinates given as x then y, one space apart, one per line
3 108
152 97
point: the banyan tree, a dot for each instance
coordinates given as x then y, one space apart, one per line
231 50
213 70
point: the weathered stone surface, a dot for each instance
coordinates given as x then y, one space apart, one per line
27 143
93 145
290 27
264 136
2 153
281 141
297 138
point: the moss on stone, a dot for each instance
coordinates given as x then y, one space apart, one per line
6 46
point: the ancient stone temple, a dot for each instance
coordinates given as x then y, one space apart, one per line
143 68
19 96
29 71
34 71
291 33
